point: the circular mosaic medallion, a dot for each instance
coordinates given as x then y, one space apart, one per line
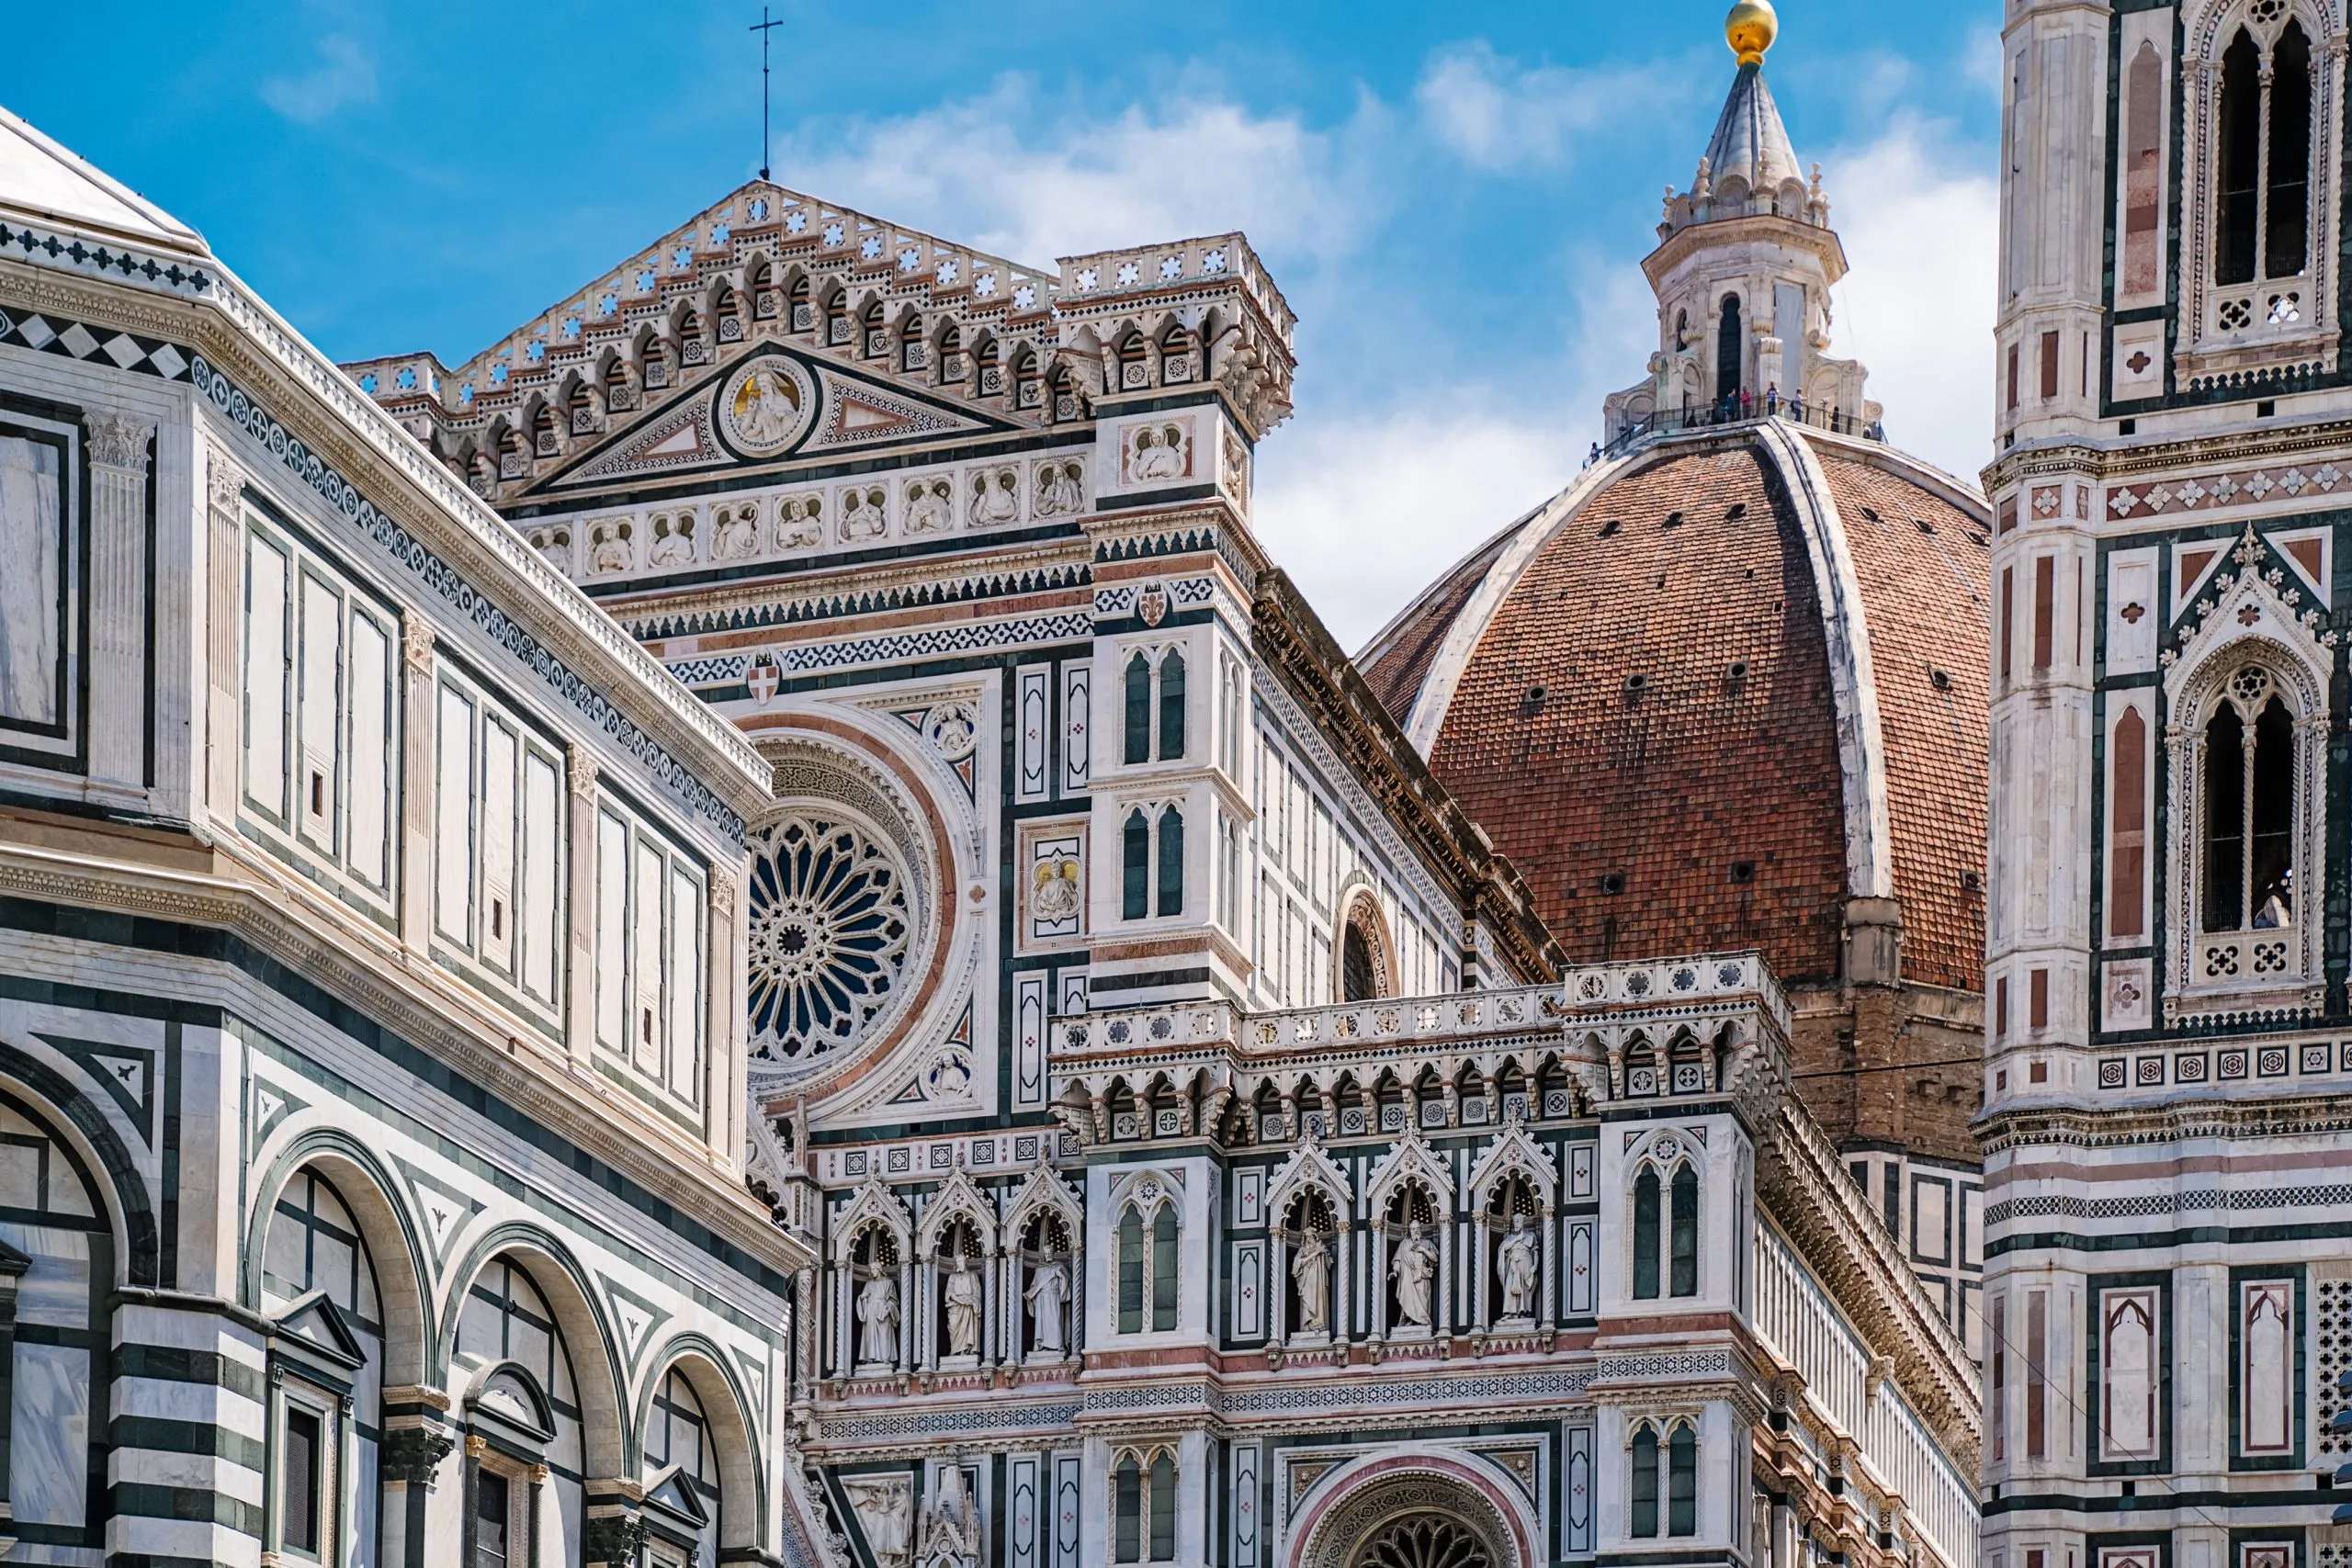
767 404
953 727
831 926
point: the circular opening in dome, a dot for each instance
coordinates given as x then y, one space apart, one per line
1608 528
1941 680
1673 520
1738 671
1924 525
1738 510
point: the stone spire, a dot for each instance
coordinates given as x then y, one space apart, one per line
1745 263
1749 139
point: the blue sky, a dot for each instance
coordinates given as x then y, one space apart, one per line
1453 198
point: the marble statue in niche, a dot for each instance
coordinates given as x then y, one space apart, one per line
737 531
1414 1267
608 548
865 512
1158 452
32 521
1061 488
878 1322
1048 1292
1311 1271
1515 1262
674 540
963 1309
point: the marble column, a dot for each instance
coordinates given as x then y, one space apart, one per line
224 488
418 732
580 901
119 530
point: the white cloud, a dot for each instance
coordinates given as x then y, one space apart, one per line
1920 224
344 76
1496 116
1366 510
997 173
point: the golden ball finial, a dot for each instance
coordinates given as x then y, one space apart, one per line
1751 28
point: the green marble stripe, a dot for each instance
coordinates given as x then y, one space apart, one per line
140 1500
157 1434
166 1363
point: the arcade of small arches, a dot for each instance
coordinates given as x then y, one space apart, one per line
513 1376
1437 1091
968 1287
622 362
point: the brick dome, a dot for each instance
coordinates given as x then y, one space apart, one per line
1726 690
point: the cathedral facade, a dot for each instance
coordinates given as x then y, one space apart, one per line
2164 1124
1217 1142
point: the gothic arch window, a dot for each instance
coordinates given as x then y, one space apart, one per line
1682 1480
1664 1473
2247 813
1666 1209
1154 708
1646 1202
1366 972
1642 1490
1731 356
1143 1506
1682 1274
1147 1268
1151 863
2262 154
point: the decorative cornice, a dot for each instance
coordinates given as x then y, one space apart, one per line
303 930
238 332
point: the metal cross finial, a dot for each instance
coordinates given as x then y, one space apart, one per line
763 26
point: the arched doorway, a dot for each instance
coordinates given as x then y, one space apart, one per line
1420 1508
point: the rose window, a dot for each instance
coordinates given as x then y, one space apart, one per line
829 930
1423 1540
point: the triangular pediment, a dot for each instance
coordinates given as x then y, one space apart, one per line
771 408
316 1321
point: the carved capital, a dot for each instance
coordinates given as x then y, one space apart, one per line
412 1454
119 442
580 773
224 482
614 1540
722 895
416 646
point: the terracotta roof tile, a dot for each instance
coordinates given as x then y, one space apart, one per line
1924 592
1676 786
1688 575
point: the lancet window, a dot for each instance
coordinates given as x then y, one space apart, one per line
1148 1270
1664 1473
2263 156
1143 1506
1665 1210
2248 807
1155 707
1152 842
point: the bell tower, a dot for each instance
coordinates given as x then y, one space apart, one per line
1743 269
2166 920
